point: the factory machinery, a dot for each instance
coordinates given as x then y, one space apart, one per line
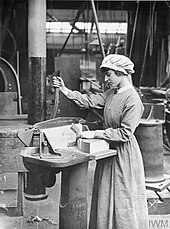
51 147
40 151
153 137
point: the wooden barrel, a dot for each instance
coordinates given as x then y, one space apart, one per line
150 139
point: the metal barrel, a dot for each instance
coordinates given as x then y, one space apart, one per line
167 125
34 187
37 179
149 135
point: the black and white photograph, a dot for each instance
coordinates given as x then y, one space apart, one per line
84 114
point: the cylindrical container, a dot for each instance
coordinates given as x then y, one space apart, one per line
167 125
149 135
37 179
34 187
37 190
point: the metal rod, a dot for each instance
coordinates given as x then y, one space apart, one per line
56 98
134 29
18 64
75 20
92 82
97 27
146 48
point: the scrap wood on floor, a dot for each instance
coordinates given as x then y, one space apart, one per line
36 218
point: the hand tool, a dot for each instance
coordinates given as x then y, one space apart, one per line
56 97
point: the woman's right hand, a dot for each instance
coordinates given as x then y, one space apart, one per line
59 83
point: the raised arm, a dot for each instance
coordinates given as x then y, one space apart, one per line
82 100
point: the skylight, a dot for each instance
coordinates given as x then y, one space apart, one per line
104 27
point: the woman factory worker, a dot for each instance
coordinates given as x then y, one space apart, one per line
119 198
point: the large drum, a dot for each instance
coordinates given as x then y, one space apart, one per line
149 135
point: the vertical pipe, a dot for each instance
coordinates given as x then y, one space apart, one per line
37 60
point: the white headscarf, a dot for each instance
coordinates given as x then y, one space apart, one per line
119 63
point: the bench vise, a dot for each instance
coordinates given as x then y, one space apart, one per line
48 139
48 149
51 147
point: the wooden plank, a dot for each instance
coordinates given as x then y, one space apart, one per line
104 154
92 145
18 210
159 187
10 160
69 67
61 136
8 103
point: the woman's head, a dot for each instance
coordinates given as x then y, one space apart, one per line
116 68
118 63
112 77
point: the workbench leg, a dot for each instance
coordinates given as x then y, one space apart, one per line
18 210
73 201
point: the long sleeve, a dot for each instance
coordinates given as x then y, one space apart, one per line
130 120
88 101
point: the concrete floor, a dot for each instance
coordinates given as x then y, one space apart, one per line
48 209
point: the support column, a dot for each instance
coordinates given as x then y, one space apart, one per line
1 5
37 61
73 202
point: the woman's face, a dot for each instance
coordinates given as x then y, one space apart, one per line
112 78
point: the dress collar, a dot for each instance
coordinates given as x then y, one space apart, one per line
124 88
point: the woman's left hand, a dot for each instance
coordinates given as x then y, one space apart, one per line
99 134
87 134
92 134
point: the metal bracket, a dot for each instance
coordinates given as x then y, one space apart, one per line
46 150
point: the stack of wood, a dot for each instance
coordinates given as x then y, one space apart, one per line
92 145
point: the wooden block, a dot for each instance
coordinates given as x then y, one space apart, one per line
8 103
92 145
158 187
61 136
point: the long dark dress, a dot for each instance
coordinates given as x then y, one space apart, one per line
119 197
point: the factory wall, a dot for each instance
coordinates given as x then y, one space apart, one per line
150 70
